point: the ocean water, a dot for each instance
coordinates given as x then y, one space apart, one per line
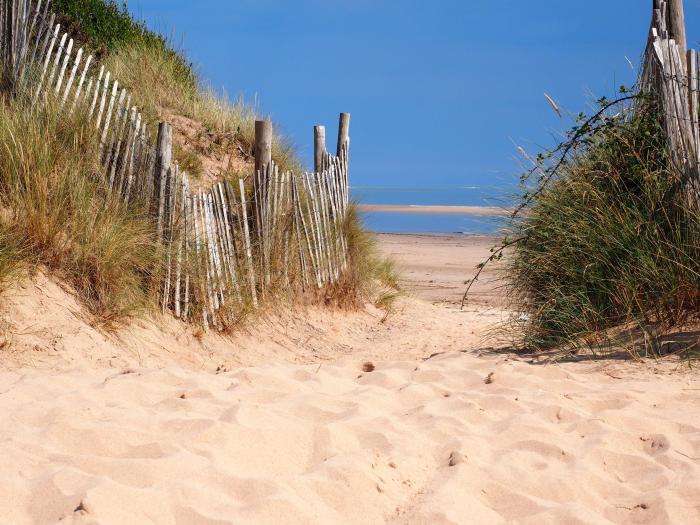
392 222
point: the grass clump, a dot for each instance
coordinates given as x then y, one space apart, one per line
188 161
11 255
369 275
610 237
57 213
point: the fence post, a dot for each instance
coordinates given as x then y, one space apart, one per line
263 161
343 132
164 155
263 144
319 147
677 24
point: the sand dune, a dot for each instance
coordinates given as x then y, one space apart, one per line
323 417
411 442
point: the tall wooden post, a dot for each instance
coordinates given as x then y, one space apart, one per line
319 147
164 156
263 158
677 24
263 144
692 67
343 131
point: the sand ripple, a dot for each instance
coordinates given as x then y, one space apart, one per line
411 442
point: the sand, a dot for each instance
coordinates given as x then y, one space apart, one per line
488 211
324 417
435 268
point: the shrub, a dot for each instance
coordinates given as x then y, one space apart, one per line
610 238
103 25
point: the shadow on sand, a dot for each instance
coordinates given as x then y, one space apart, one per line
625 345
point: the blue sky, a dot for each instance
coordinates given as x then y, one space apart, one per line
438 90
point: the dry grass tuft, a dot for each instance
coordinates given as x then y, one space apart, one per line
57 213
369 276
188 161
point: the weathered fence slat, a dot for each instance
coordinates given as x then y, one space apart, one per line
103 99
59 82
81 82
248 251
108 118
163 159
56 61
202 293
47 59
71 78
110 155
96 91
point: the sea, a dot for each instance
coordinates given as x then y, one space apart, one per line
433 223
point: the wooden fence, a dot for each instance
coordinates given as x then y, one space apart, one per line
670 73
230 245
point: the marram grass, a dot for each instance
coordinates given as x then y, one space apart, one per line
57 214
613 239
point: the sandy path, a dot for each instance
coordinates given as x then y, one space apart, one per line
411 442
435 267
306 436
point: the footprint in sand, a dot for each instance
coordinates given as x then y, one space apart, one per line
655 444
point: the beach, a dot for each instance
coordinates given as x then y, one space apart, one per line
435 268
488 211
421 416
413 292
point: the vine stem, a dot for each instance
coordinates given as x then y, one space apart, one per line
585 128
481 267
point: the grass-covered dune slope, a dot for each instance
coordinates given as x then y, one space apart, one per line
55 212
161 79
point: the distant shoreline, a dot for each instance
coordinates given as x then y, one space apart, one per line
457 236
436 209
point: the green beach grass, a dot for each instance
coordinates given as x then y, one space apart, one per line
610 238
